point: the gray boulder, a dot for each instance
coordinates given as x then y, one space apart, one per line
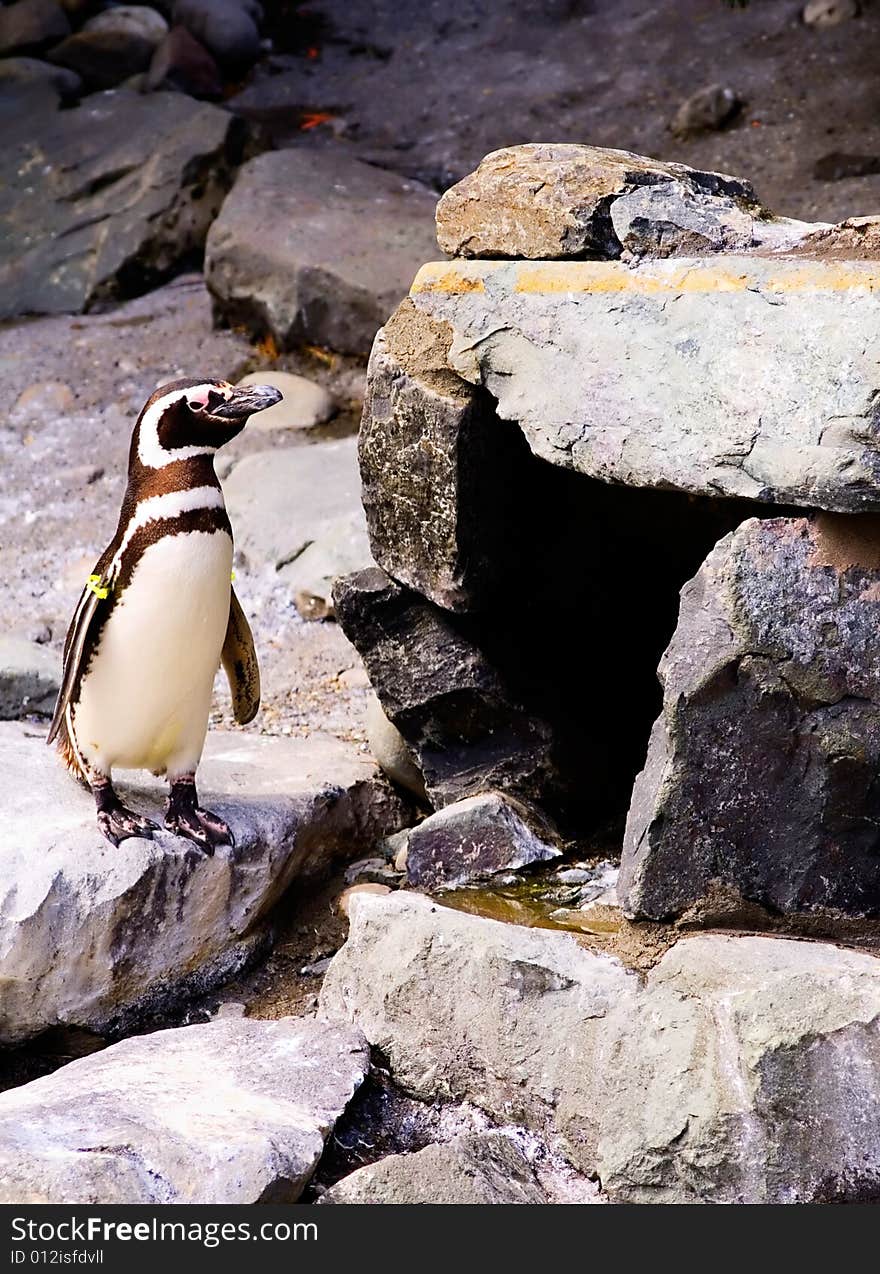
30 25
298 512
227 28
475 839
466 730
91 935
29 678
747 1073
104 58
131 19
549 201
630 369
471 1010
761 772
116 193
236 1111
742 1069
313 246
32 76
471 1168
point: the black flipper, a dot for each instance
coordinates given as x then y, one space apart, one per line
239 659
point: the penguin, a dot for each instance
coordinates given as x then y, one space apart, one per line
158 615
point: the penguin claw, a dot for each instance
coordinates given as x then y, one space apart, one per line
201 827
119 824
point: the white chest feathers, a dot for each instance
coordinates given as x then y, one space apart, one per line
146 697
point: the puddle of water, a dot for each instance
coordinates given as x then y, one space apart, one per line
543 901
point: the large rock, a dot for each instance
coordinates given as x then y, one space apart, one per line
748 1072
236 1111
547 201
88 932
475 839
741 1070
227 28
131 19
298 512
29 678
103 200
473 1010
468 732
30 25
313 246
471 1168
104 58
761 774
630 352
21 76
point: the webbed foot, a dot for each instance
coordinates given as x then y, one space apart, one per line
185 817
115 820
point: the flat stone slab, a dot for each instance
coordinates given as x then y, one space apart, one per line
235 1111
732 376
87 932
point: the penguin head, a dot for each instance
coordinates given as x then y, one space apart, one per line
189 417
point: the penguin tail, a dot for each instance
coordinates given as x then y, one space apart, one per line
69 754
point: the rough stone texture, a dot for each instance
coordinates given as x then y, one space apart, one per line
317 247
236 1111
466 730
749 1072
433 465
29 678
547 201
471 1168
761 773
467 1009
87 932
630 352
743 1069
112 196
298 510
104 58
305 403
31 24
475 838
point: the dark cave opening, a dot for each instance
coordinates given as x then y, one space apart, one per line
582 589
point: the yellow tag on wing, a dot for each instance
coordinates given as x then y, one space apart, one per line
94 584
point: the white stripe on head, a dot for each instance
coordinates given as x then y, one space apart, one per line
170 505
151 453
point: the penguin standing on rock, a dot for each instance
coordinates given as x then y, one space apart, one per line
157 616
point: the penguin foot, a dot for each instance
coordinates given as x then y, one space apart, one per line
115 820
185 817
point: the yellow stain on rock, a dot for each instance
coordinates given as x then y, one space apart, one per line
655 278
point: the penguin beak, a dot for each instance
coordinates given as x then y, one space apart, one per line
245 402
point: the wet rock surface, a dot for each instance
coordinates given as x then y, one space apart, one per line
235 1111
317 247
761 770
75 943
130 187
